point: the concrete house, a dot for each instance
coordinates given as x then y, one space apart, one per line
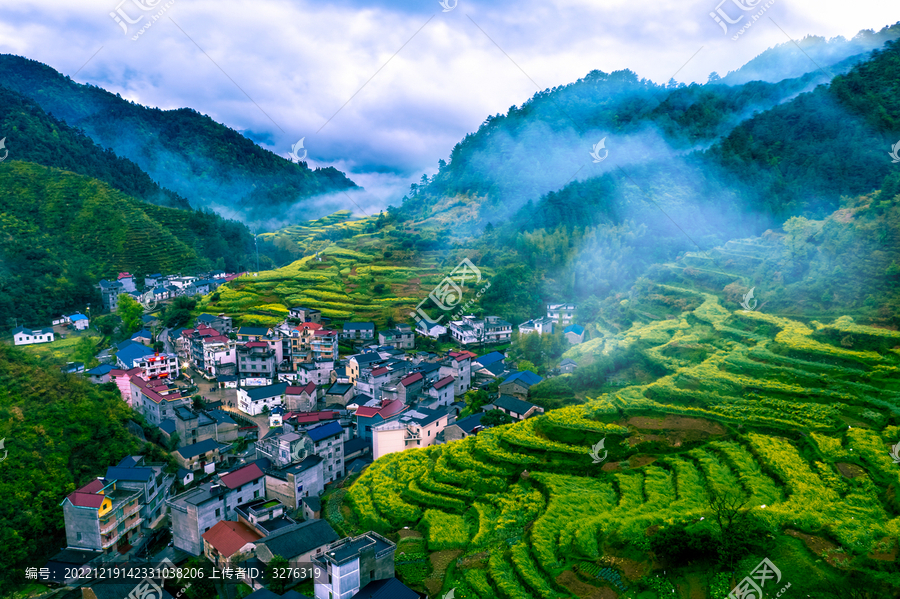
229 540
574 334
109 293
23 336
254 401
568 366
305 314
358 331
252 333
459 366
357 363
298 542
518 383
538 325
470 425
414 428
150 480
398 338
292 484
199 456
441 392
317 372
328 444
301 398
197 510
100 374
515 407
102 516
257 363
155 399
78 321
340 393
410 387
561 313
368 417
352 563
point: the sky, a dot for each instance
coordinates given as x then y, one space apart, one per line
383 89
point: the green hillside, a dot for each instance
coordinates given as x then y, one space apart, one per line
780 417
184 151
60 432
64 232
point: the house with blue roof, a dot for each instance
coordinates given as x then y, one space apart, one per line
150 480
78 321
100 374
574 334
328 444
518 383
131 353
143 336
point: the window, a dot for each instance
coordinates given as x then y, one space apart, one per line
218 513
79 536
255 494
371 573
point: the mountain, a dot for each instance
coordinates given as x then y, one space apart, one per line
32 135
182 150
63 232
790 60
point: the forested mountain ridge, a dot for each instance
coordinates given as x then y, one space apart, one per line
189 153
32 135
63 232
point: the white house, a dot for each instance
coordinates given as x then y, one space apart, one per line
23 336
254 400
561 313
538 325
78 321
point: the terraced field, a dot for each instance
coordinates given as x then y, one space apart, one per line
349 279
791 418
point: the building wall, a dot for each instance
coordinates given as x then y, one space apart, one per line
387 441
84 521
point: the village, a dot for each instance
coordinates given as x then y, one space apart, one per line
262 421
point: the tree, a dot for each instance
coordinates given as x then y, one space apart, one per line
179 312
84 352
277 584
475 400
523 365
496 418
130 311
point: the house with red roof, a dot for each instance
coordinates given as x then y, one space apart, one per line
301 398
409 387
102 516
458 364
441 392
367 417
156 399
227 540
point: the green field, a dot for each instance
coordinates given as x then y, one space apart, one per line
60 351
776 412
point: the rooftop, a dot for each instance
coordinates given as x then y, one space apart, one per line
525 377
228 537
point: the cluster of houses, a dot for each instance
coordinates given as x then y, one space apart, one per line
73 322
231 520
160 288
245 492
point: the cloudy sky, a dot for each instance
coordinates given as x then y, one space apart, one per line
382 89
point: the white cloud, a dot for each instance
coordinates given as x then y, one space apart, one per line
301 61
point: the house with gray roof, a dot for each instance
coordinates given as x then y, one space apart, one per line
300 542
23 336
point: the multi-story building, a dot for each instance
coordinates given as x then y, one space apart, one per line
301 398
561 313
103 515
417 427
256 363
305 314
150 480
223 324
255 400
193 427
328 444
155 399
459 366
252 333
159 366
324 345
291 484
199 509
202 455
468 330
372 380
400 337
358 331
441 392
538 325
317 373
357 363
352 563
518 383
109 292
497 330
